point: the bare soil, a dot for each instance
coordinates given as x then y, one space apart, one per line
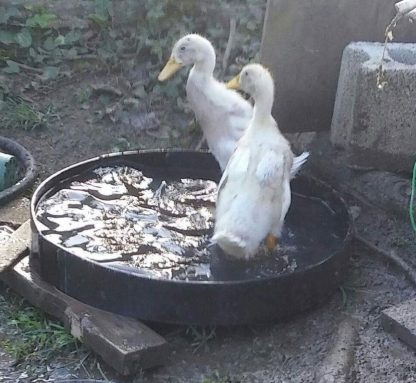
274 353
79 132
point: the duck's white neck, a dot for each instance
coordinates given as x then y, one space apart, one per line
263 103
206 64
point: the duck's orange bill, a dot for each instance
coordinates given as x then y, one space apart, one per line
171 67
234 83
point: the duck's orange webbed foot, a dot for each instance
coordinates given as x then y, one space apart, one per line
271 242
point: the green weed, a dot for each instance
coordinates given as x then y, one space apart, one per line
400 242
344 296
200 336
33 336
16 112
33 40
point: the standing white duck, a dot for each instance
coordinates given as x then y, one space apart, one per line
254 191
222 113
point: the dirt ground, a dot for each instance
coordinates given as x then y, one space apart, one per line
285 352
275 353
81 128
77 132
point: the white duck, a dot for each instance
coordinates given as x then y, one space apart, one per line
222 113
254 192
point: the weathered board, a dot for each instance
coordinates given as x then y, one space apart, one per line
15 247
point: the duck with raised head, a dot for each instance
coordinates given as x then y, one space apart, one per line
222 113
254 191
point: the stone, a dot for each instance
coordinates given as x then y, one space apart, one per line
15 246
125 344
376 125
401 321
302 45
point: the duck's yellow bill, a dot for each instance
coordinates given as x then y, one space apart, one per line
234 83
171 67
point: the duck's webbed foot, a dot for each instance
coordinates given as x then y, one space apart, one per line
271 242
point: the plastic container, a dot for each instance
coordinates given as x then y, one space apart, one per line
9 168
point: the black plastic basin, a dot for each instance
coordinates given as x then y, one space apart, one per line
322 265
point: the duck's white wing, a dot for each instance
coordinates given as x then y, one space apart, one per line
240 114
271 168
236 169
273 172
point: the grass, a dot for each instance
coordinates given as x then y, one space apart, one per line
344 296
200 336
400 242
32 336
15 112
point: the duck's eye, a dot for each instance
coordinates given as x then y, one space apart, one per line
182 49
246 74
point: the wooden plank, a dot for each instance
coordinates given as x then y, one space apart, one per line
337 364
400 320
125 344
17 245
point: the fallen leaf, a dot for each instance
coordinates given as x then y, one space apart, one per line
24 38
12 67
50 73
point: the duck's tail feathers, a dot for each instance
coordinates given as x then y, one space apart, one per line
297 163
230 243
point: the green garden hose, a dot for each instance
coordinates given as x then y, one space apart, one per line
412 198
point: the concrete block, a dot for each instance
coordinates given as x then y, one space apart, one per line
401 321
302 45
377 126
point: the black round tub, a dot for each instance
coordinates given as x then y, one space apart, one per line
227 299
27 165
